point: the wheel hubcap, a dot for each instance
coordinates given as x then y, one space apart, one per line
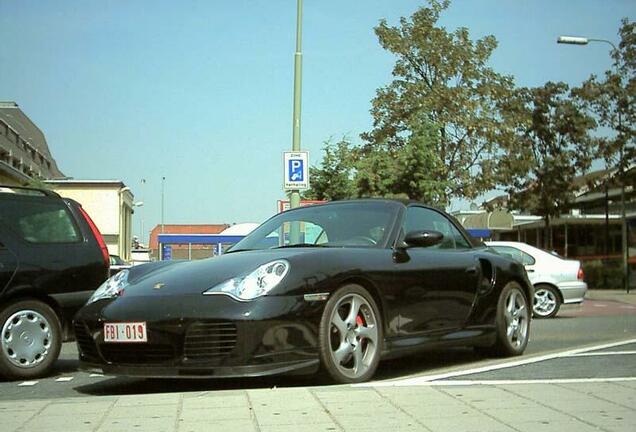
353 336
544 302
516 314
26 338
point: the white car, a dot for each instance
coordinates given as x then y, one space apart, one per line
556 280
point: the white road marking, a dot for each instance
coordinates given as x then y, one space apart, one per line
537 381
422 380
95 375
64 379
28 383
628 307
600 305
591 354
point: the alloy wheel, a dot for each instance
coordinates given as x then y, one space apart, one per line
353 336
517 318
545 302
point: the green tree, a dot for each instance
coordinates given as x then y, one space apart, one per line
411 172
552 146
333 179
613 101
440 78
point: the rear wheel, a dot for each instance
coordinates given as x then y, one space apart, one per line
546 301
512 323
350 335
30 341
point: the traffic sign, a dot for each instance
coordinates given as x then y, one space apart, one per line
296 167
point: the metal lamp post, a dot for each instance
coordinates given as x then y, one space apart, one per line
578 40
141 215
298 72
163 183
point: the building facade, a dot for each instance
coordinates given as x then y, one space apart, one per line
24 153
109 203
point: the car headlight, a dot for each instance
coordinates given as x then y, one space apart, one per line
111 288
254 284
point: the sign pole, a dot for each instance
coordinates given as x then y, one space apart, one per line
294 234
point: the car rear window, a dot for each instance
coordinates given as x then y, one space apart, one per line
39 221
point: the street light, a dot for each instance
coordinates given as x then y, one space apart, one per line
141 215
578 40
163 183
141 219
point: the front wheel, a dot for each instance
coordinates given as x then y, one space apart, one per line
351 335
512 323
30 341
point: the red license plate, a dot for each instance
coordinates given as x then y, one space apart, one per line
129 332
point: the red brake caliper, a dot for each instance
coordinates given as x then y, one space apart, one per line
359 321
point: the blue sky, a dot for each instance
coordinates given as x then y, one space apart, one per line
201 91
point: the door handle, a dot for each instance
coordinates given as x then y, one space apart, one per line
471 270
530 270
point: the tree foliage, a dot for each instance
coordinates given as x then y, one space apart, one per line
613 101
333 180
440 78
552 146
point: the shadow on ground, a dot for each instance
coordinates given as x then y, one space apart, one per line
390 369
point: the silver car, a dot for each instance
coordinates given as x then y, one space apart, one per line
556 280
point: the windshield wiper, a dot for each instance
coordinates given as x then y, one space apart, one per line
236 250
300 245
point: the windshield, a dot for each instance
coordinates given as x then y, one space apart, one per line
353 224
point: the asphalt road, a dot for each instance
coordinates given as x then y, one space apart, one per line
587 326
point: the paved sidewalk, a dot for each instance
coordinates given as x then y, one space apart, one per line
580 407
612 295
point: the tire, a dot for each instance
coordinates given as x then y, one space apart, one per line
512 323
547 301
350 335
30 339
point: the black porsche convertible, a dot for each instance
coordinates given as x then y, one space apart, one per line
338 286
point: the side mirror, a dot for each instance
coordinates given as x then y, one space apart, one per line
424 238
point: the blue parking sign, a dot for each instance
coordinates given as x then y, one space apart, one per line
295 170
296 167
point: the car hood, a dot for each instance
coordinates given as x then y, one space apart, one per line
195 277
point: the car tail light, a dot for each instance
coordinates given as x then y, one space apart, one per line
98 236
580 275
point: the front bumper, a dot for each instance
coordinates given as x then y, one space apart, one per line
573 291
202 336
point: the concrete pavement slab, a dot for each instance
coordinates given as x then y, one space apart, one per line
221 425
477 423
567 426
212 414
76 423
168 412
538 414
305 428
149 399
212 400
140 424
72 409
266 417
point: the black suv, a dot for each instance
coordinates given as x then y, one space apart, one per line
52 257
